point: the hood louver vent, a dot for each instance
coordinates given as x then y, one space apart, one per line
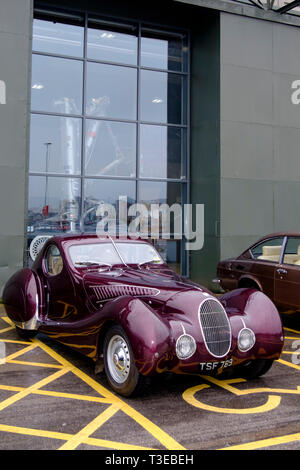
110 292
215 327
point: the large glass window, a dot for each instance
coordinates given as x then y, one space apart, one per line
109 122
111 91
56 85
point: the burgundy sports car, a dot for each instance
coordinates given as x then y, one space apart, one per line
271 265
117 302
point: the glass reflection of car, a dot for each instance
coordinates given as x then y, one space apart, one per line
271 265
116 301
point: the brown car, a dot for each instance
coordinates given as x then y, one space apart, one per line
271 265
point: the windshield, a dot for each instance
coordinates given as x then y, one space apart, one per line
138 253
94 253
106 254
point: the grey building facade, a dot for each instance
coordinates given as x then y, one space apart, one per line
232 125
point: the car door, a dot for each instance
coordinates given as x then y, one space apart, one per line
58 285
267 255
287 276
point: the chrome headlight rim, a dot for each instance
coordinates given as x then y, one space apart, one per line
192 349
252 334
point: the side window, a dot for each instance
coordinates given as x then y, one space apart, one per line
292 251
268 250
53 261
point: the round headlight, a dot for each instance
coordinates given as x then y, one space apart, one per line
246 339
185 346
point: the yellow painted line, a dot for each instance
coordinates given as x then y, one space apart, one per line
273 441
165 439
226 385
4 330
82 435
150 427
293 331
35 432
65 437
20 352
51 393
289 364
18 396
290 352
271 403
36 364
8 320
14 341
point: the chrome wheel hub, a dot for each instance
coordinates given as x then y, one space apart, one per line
118 359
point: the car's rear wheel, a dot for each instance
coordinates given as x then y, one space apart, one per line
120 369
255 368
26 334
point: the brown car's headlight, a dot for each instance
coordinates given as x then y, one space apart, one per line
185 346
246 339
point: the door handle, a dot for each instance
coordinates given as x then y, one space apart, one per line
282 271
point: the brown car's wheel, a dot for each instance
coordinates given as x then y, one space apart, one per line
26 334
255 368
120 369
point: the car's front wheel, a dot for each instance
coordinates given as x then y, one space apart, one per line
256 368
120 369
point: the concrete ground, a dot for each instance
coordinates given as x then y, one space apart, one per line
50 398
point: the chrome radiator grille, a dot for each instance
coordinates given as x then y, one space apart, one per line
110 292
215 327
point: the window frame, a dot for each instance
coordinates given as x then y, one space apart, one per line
84 18
266 240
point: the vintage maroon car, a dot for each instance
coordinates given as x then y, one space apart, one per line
271 265
117 302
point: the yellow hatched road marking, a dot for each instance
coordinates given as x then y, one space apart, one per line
51 393
78 438
272 441
36 364
18 396
14 341
165 439
289 364
66 437
20 352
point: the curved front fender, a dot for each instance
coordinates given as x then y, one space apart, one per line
253 309
149 335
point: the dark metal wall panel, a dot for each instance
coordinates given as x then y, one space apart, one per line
205 141
260 130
